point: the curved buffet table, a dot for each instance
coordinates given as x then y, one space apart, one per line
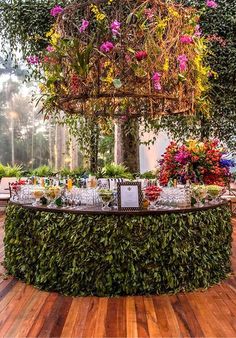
94 252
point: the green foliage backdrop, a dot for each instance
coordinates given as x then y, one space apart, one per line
21 22
219 25
118 255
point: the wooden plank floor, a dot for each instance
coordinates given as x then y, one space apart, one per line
28 312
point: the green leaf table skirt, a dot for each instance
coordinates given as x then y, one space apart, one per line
108 254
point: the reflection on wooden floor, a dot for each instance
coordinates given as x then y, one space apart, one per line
28 312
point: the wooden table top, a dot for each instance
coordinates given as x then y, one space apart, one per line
91 210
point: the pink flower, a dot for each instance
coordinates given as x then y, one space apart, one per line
183 157
115 27
84 26
198 31
182 59
106 47
128 58
186 39
50 49
211 4
56 10
141 55
33 59
156 80
150 13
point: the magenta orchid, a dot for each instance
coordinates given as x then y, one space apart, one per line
84 26
106 47
211 4
198 31
33 59
156 81
56 10
50 49
183 156
187 39
182 59
115 27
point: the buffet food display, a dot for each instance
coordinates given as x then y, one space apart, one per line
100 193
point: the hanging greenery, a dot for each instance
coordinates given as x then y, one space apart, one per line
124 59
218 25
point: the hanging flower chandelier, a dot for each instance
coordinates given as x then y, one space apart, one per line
126 57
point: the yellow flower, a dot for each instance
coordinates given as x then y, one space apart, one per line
42 87
166 65
195 146
192 145
99 15
162 24
54 39
48 34
63 87
109 78
173 12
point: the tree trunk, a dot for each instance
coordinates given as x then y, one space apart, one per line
127 144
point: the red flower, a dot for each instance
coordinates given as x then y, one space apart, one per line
141 55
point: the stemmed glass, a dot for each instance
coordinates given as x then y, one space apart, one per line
151 194
214 192
199 193
52 193
38 193
107 196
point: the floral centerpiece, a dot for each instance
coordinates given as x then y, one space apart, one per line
198 162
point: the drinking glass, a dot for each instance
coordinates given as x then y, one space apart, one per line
106 196
38 193
199 194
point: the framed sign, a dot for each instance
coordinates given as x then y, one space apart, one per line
129 196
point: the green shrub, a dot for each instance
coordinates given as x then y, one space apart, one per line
113 170
64 172
2 170
77 172
43 171
148 175
10 171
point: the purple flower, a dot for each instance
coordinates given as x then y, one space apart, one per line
84 26
50 48
106 47
198 31
226 163
182 59
33 59
56 10
211 4
186 39
156 80
115 27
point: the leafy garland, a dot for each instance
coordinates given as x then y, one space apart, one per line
118 255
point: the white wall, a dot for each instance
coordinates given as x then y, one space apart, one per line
149 157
